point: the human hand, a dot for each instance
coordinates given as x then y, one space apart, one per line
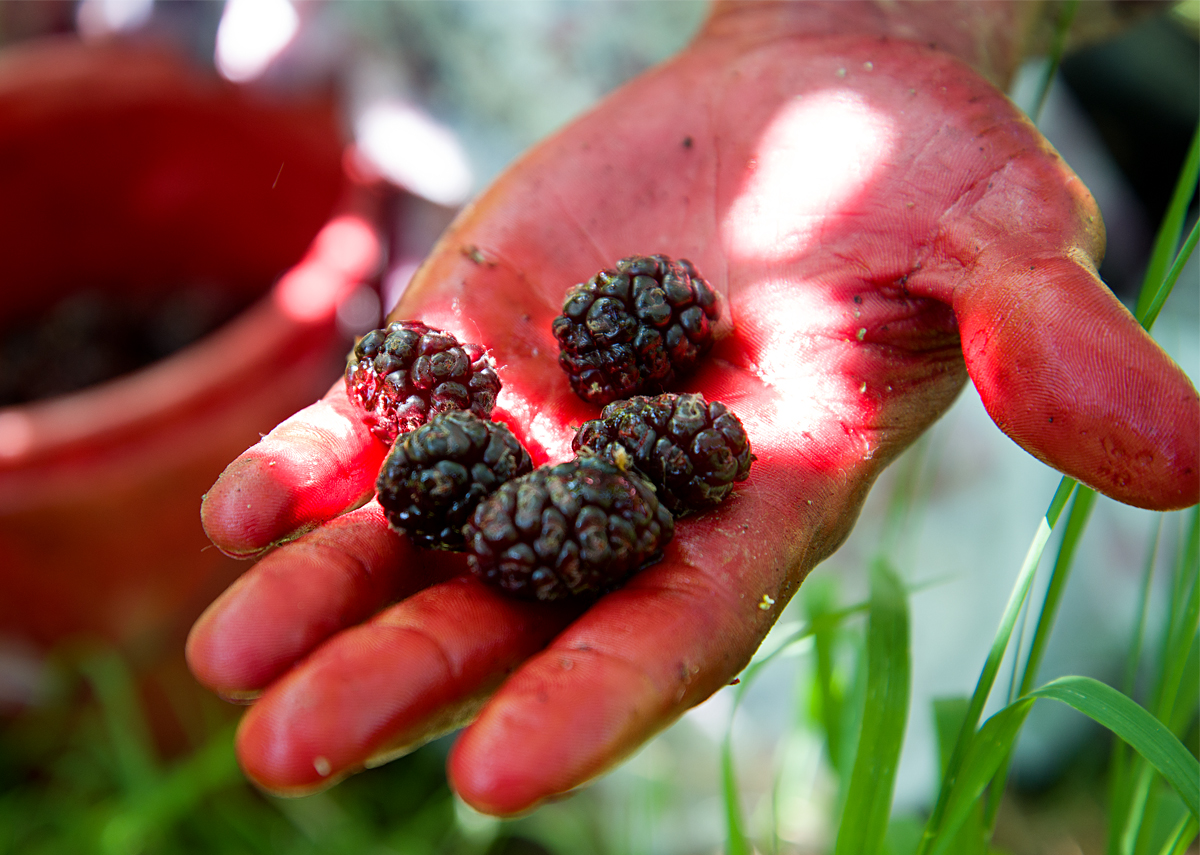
881 223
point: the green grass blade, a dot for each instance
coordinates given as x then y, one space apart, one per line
128 732
1102 703
736 842
1141 808
1161 294
827 697
986 752
869 798
1081 511
948 716
1183 625
1129 680
1024 678
1187 696
1137 726
213 767
1061 27
992 665
1184 836
1122 781
735 828
1179 637
1169 231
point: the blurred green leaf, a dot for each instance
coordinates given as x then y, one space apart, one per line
948 716
1122 772
213 767
777 643
1155 285
885 711
1184 836
1104 704
1175 650
827 696
129 735
903 835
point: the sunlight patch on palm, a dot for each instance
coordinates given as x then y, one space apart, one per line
818 153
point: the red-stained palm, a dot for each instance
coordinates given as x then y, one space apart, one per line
872 212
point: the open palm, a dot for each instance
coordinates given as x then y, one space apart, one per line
881 224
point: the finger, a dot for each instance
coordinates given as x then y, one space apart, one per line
312 467
641 656
1067 372
1061 366
300 595
417 670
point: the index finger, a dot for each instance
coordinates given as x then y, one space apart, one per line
312 467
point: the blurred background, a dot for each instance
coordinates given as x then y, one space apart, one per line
398 113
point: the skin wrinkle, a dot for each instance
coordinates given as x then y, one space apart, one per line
996 127
353 564
885 432
913 315
957 214
408 627
604 258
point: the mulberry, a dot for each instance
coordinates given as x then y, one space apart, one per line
580 527
406 372
435 475
692 451
635 328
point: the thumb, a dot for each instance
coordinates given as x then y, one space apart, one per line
1068 373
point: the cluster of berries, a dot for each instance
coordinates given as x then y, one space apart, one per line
456 480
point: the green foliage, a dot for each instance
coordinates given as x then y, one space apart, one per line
869 799
83 774
1123 716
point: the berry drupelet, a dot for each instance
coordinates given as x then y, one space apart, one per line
435 475
635 328
691 450
580 527
406 372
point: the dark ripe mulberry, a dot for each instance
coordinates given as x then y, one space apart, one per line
405 373
691 450
580 527
435 475
635 328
